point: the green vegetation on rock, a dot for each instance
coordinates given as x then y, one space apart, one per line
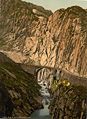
69 100
23 90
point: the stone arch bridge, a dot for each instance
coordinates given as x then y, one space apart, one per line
72 77
34 69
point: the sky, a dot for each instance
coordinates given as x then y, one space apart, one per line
57 4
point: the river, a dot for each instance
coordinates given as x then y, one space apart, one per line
43 113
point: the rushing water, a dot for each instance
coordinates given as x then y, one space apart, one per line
43 113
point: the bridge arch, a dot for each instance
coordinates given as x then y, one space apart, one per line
35 69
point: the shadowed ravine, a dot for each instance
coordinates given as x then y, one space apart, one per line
51 47
43 113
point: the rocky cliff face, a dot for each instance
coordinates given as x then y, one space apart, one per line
30 33
69 97
69 102
19 92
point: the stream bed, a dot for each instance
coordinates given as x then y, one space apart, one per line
43 113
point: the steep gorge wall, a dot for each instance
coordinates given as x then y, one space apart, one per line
19 91
69 97
69 102
33 34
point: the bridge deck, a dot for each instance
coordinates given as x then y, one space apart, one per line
75 79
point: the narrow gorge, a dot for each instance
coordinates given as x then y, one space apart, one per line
43 61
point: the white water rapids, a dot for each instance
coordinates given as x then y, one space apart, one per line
43 113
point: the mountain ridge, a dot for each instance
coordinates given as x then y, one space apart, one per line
57 40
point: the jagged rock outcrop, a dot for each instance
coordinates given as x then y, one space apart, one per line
69 102
69 97
40 37
19 91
